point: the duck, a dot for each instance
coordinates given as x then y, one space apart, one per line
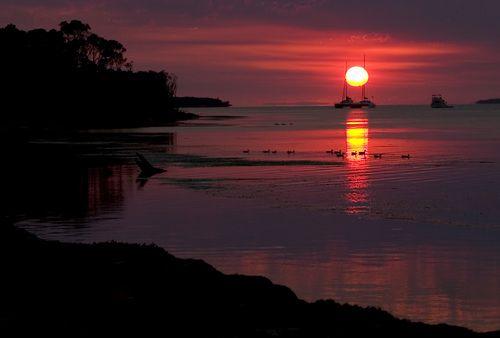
362 153
354 153
274 151
405 156
246 151
266 151
340 154
377 155
331 151
290 152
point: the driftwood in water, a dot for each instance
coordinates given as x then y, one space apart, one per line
147 168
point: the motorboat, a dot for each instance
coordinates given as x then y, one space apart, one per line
439 102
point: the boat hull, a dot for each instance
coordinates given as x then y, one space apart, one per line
341 105
354 105
440 106
363 105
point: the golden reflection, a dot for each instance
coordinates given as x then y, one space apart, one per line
356 134
357 179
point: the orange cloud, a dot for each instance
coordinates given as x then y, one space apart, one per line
314 59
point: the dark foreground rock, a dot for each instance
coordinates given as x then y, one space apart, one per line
76 290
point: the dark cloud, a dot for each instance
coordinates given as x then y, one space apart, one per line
440 17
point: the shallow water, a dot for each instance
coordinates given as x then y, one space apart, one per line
418 237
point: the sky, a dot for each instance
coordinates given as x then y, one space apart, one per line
255 52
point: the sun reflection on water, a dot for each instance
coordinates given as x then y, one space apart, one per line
357 136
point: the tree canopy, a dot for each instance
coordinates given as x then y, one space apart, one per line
74 76
90 50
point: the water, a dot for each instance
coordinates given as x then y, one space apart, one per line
418 237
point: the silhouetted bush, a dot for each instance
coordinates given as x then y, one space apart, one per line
73 77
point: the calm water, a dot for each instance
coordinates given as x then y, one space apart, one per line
419 237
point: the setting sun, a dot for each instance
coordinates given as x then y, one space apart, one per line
356 76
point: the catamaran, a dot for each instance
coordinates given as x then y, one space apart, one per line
365 102
348 102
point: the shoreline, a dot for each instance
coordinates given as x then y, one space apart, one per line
133 289
53 128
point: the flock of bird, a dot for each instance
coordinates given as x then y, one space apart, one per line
338 153
269 151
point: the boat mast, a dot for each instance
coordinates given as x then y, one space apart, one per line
364 86
344 91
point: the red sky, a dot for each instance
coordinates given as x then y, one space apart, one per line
293 52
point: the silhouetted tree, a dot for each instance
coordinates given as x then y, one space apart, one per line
171 83
91 50
105 54
75 35
74 30
73 76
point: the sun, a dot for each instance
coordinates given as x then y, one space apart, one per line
356 76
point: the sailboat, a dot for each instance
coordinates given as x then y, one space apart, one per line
346 100
365 102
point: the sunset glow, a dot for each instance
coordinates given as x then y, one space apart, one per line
356 76
275 53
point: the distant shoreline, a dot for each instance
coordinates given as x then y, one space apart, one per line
199 102
489 101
